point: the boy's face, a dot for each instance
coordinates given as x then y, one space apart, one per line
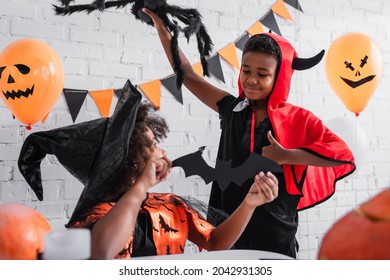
257 75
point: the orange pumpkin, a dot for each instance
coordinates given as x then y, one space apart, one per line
363 234
22 231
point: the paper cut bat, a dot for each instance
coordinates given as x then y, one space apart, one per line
223 173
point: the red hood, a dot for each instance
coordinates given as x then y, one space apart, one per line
281 89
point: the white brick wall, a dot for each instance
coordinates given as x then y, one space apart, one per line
102 50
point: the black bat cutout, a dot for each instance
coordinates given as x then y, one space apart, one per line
223 173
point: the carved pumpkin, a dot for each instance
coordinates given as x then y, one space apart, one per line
363 234
31 79
22 231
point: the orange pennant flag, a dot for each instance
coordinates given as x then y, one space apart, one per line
230 55
257 28
45 118
103 99
198 68
280 8
152 90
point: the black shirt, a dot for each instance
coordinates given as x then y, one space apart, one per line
273 225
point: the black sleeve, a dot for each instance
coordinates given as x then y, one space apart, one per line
225 105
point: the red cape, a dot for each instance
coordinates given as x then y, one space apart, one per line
297 128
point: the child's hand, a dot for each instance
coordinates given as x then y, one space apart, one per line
263 190
157 21
274 151
156 171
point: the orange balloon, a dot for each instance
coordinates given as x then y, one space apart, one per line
31 79
354 67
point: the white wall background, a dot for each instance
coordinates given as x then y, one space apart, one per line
103 50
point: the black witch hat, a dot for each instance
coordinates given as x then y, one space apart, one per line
93 151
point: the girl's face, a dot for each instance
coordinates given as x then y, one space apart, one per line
257 75
155 151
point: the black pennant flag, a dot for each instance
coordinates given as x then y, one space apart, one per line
270 21
75 99
215 67
170 84
295 4
118 92
242 41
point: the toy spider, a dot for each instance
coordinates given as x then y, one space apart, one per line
189 17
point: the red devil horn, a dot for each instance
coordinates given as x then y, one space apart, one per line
307 63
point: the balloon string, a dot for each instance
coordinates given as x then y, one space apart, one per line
355 132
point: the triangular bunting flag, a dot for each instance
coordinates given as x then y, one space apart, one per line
45 118
152 90
295 4
215 67
103 100
280 8
230 55
270 21
257 28
242 41
75 99
118 92
170 84
198 68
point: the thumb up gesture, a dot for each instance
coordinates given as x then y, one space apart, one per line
274 151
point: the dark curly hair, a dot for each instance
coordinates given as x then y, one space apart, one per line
139 142
263 43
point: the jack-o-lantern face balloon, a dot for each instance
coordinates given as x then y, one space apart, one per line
354 68
31 79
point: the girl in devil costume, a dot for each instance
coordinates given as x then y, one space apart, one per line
260 120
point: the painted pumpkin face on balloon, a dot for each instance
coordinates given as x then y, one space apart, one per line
354 68
31 79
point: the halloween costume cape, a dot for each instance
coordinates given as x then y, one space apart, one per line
162 230
297 128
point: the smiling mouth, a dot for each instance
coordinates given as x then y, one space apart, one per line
17 94
353 84
251 88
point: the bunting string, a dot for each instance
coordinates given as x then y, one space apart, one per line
152 90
